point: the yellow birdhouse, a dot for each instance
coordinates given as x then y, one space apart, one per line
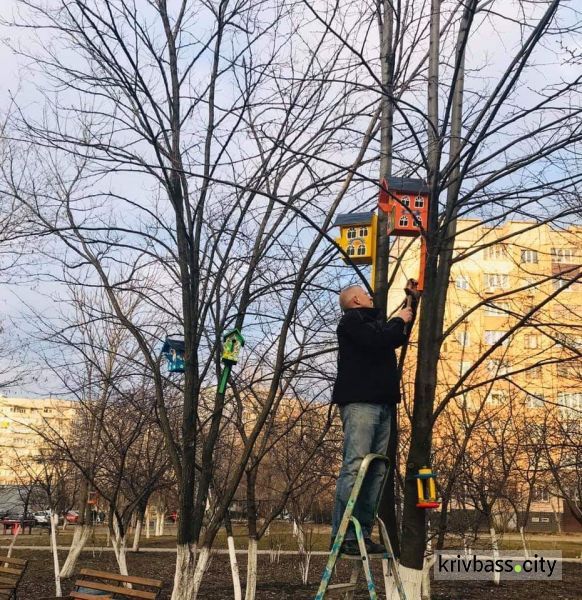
358 236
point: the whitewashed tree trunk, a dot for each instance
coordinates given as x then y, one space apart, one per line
411 582
201 566
119 549
147 522
184 575
234 569
522 535
304 554
54 521
136 536
80 537
495 548
425 586
556 516
251 588
295 528
15 534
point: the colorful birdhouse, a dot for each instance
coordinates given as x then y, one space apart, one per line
426 488
406 201
173 352
93 497
358 236
233 342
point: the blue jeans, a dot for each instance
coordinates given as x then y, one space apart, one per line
366 430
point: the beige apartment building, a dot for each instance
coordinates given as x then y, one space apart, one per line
499 276
22 423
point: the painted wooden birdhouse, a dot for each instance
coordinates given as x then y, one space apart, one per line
233 342
406 203
173 352
358 236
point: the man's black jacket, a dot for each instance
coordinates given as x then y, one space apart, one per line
367 369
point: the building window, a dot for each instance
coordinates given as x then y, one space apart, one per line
564 255
500 309
498 367
541 494
533 373
351 233
463 337
496 280
529 256
18 409
403 221
571 403
531 341
405 200
495 252
495 399
492 337
558 284
363 231
47 410
534 401
419 202
361 250
563 370
418 218
351 251
461 282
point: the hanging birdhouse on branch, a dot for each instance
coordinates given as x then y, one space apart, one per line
358 236
173 352
426 488
233 342
406 202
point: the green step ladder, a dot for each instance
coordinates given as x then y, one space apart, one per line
389 566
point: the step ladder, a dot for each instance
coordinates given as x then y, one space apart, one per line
389 566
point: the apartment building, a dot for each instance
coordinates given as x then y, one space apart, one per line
22 423
512 345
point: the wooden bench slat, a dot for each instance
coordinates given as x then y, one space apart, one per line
121 591
124 578
11 571
8 580
82 596
10 559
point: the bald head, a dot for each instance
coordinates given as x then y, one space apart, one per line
354 296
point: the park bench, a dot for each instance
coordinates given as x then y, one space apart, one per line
11 572
99 585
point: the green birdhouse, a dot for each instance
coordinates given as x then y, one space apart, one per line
233 342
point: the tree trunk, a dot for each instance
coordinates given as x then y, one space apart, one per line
522 535
184 574
495 548
233 561
147 522
251 588
119 541
137 535
201 565
54 521
80 537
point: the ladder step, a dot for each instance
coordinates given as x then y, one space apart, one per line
342 587
385 555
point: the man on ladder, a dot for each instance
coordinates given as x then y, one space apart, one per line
367 389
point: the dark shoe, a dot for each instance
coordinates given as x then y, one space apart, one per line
374 548
350 547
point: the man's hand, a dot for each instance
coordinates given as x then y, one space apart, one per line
405 314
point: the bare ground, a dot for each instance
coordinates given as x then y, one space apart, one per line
282 580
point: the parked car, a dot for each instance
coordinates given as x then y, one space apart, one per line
42 518
72 516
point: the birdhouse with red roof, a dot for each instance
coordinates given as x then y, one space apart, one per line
406 202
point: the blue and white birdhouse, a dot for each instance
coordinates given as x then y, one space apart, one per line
173 352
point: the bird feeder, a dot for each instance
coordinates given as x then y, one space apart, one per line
406 201
358 236
233 343
173 352
92 500
426 487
